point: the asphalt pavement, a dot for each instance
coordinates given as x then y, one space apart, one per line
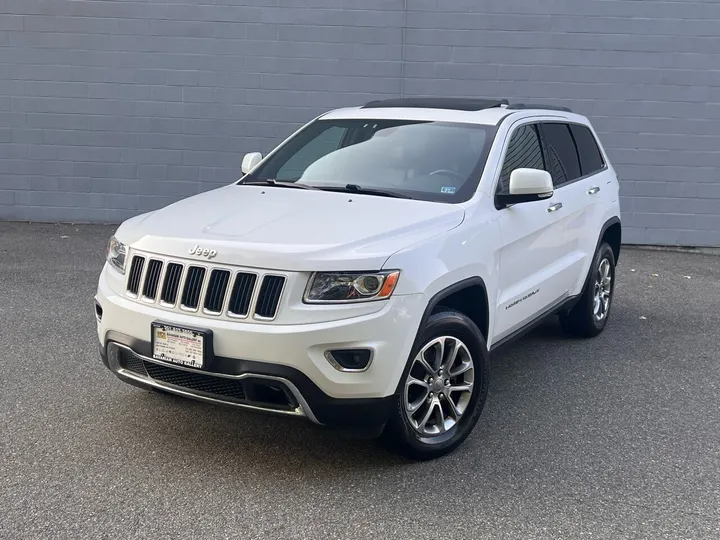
615 437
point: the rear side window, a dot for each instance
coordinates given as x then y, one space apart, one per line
591 160
562 153
524 152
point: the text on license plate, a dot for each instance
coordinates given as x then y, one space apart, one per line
178 345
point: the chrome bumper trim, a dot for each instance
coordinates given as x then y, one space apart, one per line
114 364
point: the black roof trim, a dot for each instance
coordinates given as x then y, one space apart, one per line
458 104
522 106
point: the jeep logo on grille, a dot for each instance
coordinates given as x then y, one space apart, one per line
203 252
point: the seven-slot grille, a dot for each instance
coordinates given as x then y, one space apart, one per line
217 291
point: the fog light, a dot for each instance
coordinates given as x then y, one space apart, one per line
350 359
98 311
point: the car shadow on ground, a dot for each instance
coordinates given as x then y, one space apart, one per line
211 433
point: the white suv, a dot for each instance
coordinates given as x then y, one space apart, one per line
360 274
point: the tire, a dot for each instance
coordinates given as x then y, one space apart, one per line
588 318
405 431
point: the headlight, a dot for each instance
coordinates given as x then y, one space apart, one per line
116 254
336 287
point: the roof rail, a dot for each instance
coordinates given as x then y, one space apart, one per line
459 104
521 106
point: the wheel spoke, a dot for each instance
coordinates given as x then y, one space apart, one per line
453 408
439 347
428 414
461 388
412 406
440 417
415 405
452 356
459 370
412 381
424 363
605 276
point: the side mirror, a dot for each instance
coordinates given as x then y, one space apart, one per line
250 161
526 185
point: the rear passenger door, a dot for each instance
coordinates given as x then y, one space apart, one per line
573 164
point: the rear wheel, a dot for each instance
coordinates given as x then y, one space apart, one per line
590 315
443 388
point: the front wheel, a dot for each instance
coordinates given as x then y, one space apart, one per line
443 389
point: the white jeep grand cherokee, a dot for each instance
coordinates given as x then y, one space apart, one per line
360 274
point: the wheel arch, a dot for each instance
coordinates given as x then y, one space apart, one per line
612 234
441 299
611 231
468 296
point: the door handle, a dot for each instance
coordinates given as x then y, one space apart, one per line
593 190
555 207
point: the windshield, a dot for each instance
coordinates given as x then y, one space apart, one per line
435 161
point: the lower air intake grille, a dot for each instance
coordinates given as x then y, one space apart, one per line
250 391
197 381
133 363
269 296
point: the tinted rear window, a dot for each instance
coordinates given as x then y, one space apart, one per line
590 158
564 162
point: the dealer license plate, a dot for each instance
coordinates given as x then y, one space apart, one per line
178 345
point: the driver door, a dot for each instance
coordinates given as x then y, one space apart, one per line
534 246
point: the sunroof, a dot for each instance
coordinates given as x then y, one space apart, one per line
458 104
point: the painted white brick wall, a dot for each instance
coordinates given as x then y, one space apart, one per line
110 108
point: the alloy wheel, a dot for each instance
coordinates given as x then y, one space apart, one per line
439 386
602 290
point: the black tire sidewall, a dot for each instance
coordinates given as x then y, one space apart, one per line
442 323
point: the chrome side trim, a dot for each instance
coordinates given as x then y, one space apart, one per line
114 363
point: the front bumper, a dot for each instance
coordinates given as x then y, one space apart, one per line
290 356
302 398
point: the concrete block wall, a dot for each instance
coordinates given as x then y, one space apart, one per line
110 108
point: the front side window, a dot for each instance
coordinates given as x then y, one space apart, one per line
562 153
523 152
435 161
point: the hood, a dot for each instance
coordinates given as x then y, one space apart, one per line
290 229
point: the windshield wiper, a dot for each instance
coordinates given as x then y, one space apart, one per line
354 188
278 183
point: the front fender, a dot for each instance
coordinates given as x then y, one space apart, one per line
468 252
